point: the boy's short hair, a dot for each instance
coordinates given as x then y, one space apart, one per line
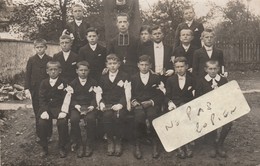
145 58
76 5
155 27
82 63
92 29
122 15
65 37
191 32
180 59
146 28
186 8
53 63
113 57
212 62
207 31
40 41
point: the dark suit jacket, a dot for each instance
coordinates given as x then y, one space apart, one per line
204 86
96 59
82 94
79 33
197 29
179 51
52 97
36 71
141 92
112 93
201 57
177 95
69 66
149 50
128 52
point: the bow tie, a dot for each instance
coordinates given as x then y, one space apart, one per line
208 49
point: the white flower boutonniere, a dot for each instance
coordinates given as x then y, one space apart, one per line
120 83
190 87
196 29
61 86
74 63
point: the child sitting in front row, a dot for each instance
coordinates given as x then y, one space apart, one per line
206 84
178 92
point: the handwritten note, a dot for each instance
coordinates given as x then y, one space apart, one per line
201 116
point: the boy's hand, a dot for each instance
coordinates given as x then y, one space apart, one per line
78 107
62 115
90 108
45 115
102 106
171 106
117 107
27 94
225 74
135 103
105 70
190 70
147 104
169 72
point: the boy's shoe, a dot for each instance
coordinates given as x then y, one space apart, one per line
89 151
62 152
137 153
188 151
213 153
221 152
44 153
80 152
73 147
110 147
155 149
118 147
180 153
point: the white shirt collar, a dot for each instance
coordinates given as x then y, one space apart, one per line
189 22
82 81
145 75
41 56
186 47
208 48
53 81
78 22
113 74
208 78
182 77
158 45
66 55
93 47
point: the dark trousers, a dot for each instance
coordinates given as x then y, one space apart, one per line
140 116
62 125
114 123
75 132
35 105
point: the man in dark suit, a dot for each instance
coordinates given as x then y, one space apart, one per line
206 53
94 54
35 73
178 92
77 28
212 80
146 99
124 45
67 59
113 104
51 96
189 23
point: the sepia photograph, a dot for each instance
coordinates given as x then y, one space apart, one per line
129 82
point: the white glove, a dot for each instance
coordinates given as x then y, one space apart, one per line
117 107
101 106
45 115
27 94
62 115
90 108
169 72
78 107
171 106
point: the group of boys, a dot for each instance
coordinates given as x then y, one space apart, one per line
126 78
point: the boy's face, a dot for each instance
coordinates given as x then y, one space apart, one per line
144 66
185 36
212 69
53 71
65 44
77 13
145 36
157 35
40 49
112 65
208 39
82 71
188 14
122 24
180 68
92 38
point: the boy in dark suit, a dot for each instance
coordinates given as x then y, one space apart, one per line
77 28
35 73
146 99
185 49
83 103
189 23
94 54
124 45
113 104
206 84
51 96
145 39
178 92
206 53
67 59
